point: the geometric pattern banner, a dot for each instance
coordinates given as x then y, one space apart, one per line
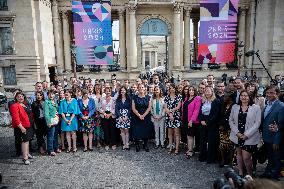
218 25
93 32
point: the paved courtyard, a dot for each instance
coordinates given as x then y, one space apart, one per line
101 169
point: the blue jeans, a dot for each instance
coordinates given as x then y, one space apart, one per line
52 140
274 161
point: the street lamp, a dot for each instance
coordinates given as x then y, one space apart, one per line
73 53
252 53
240 54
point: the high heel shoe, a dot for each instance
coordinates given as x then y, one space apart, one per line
137 148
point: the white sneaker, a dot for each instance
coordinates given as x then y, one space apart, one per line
30 156
26 162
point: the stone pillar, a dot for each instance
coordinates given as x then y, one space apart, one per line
57 32
186 50
195 40
122 39
150 59
177 44
242 33
143 59
252 19
66 41
156 58
132 56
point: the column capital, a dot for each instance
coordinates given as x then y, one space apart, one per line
64 14
54 3
132 8
243 10
121 12
177 7
195 20
187 10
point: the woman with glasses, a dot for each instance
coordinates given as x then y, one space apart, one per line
22 122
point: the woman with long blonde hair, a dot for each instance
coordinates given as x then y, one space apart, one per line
209 129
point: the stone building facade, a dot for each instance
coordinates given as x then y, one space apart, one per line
37 36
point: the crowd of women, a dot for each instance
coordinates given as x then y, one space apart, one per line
212 119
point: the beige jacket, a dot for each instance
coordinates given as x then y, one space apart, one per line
253 121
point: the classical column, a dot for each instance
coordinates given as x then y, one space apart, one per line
252 24
132 34
156 58
195 38
177 10
66 41
122 39
150 59
187 49
242 33
143 59
57 32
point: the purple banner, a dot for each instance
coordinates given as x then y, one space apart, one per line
218 23
93 32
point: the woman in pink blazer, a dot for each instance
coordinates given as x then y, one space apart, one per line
190 110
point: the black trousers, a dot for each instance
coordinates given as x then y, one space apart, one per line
109 129
208 136
41 131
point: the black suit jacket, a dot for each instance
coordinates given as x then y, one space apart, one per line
212 119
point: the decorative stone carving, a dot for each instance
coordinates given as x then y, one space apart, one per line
187 10
46 2
132 8
154 16
177 7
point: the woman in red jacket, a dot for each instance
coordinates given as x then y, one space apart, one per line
22 123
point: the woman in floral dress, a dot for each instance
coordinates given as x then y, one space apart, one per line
87 110
123 112
173 118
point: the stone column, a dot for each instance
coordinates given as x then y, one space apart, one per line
57 32
66 41
156 58
122 39
252 17
143 59
132 34
177 44
242 33
195 40
187 47
150 59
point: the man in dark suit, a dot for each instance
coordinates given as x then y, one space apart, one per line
238 84
272 131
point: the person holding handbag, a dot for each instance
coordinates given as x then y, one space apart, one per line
52 119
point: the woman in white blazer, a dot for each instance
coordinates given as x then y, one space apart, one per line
158 116
245 119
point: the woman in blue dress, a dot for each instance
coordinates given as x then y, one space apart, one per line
87 110
123 112
69 110
142 126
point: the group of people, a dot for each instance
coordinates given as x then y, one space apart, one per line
215 119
